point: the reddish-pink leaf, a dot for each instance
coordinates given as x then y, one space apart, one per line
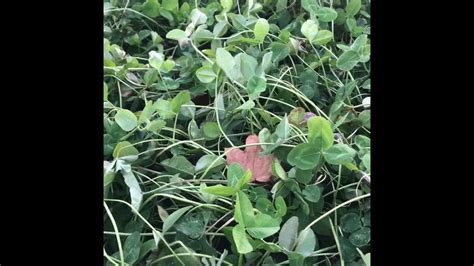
260 166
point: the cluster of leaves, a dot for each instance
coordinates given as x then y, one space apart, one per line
187 84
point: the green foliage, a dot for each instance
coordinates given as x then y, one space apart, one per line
184 81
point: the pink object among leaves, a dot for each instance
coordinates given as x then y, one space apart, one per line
260 166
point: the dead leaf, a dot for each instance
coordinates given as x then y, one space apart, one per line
260 166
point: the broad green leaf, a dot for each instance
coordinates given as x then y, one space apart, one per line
168 65
226 62
170 5
353 7
278 171
193 130
250 4
308 77
172 218
209 160
179 165
156 38
335 111
308 90
243 213
283 129
347 60
220 29
189 30
201 35
305 156
208 197
351 166
265 64
155 59
255 86
123 149
246 64
323 37
339 154
365 14
234 173
167 14
109 178
294 45
189 110
220 190
176 35
226 5
244 179
306 242
364 117
240 239
311 6
131 248
326 14
365 54
320 133
359 43
279 51
346 90
184 9
261 29
365 258
348 251
198 17
361 237
310 29
351 24
265 206
181 98
350 222
151 75
281 5
186 257
323 227
193 225
264 137
246 106
163 107
268 246
219 105
162 213
205 74
146 113
263 225
211 130
146 247
288 234
156 237
126 119
106 91
343 47
280 206
303 176
362 141
134 188
312 193
295 259
238 21
151 8
366 161
167 84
